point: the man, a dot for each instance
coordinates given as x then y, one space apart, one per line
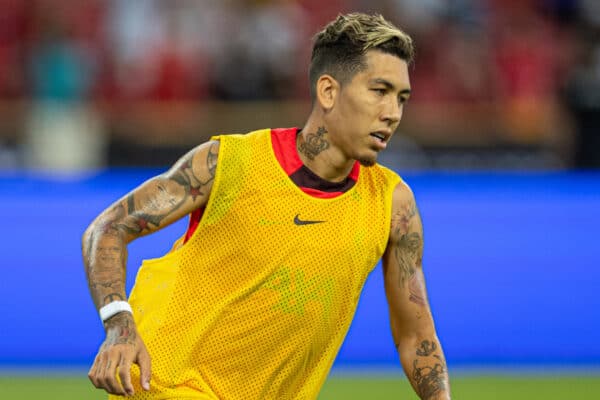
254 301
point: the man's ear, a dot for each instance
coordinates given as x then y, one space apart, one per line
327 91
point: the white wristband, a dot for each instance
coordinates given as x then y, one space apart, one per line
114 308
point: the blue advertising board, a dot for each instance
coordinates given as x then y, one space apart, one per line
511 263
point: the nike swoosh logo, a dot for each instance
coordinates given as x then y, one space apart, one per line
299 221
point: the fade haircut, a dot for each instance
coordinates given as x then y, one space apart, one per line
339 49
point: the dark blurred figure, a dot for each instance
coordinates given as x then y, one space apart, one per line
13 27
260 58
583 88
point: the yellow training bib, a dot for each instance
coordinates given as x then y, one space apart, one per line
257 303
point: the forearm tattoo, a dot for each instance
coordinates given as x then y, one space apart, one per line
429 374
120 330
109 298
314 143
141 212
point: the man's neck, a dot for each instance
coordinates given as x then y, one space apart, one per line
320 155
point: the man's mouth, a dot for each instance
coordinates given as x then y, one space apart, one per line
381 136
380 139
378 136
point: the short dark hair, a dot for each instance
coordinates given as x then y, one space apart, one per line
339 49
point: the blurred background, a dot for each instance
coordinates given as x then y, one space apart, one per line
500 143
512 84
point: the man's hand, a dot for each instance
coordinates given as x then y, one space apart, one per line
122 347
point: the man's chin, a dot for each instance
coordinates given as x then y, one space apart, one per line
367 162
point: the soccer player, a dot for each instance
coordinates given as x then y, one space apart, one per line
255 299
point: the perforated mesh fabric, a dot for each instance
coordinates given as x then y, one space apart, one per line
257 303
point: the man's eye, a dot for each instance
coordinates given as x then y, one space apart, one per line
380 91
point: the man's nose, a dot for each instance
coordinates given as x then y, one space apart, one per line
392 113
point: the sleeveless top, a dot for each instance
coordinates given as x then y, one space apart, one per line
256 304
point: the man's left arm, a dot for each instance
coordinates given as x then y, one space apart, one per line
411 321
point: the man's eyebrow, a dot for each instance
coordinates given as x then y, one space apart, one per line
389 85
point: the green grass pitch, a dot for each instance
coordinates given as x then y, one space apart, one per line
345 387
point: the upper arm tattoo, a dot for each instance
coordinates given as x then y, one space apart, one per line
184 174
170 191
408 249
211 160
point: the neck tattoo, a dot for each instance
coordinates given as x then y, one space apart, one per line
314 143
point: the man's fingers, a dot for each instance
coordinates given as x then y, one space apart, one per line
125 374
111 369
143 360
109 374
93 372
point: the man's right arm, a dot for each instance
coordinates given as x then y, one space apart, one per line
152 206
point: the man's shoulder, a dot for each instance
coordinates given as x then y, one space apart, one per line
402 196
384 177
386 170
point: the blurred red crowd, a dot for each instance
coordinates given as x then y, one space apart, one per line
186 49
